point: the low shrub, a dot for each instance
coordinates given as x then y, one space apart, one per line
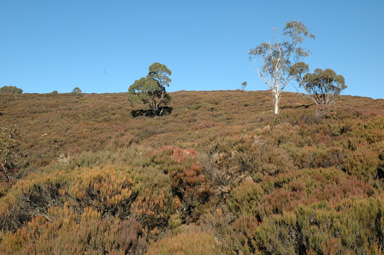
192 242
11 159
349 226
362 163
244 199
60 231
11 89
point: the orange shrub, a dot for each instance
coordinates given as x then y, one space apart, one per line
193 242
107 189
59 232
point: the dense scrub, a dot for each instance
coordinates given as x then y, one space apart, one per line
219 175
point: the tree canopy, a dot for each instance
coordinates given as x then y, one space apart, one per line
151 89
273 60
323 86
76 90
11 89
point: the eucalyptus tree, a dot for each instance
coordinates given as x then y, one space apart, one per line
151 89
76 91
322 86
244 85
273 60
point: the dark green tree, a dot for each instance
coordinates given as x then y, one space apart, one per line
151 89
11 89
273 60
322 86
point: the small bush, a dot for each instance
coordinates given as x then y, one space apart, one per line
244 199
239 236
11 89
59 232
362 163
193 242
10 157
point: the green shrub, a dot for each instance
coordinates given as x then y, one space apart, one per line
244 199
240 237
350 226
362 163
11 89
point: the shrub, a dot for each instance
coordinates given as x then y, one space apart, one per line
250 155
349 226
286 192
193 242
244 199
11 89
60 232
189 185
108 190
240 237
10 156
362 163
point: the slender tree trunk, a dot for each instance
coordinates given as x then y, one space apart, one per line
276 101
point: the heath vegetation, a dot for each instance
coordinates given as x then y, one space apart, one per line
221 174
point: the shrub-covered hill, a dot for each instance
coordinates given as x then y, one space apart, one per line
220 174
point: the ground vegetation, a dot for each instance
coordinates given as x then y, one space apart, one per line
221 174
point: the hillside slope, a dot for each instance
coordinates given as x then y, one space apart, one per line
220 171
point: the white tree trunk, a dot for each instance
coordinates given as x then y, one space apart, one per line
276 101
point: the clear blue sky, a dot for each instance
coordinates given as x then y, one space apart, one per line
105 45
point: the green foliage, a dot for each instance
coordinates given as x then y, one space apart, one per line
243 85
151 89
323 86
348 226
221 175
11 89
239 236
244 199
190 187
274 59
76 91
362 163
